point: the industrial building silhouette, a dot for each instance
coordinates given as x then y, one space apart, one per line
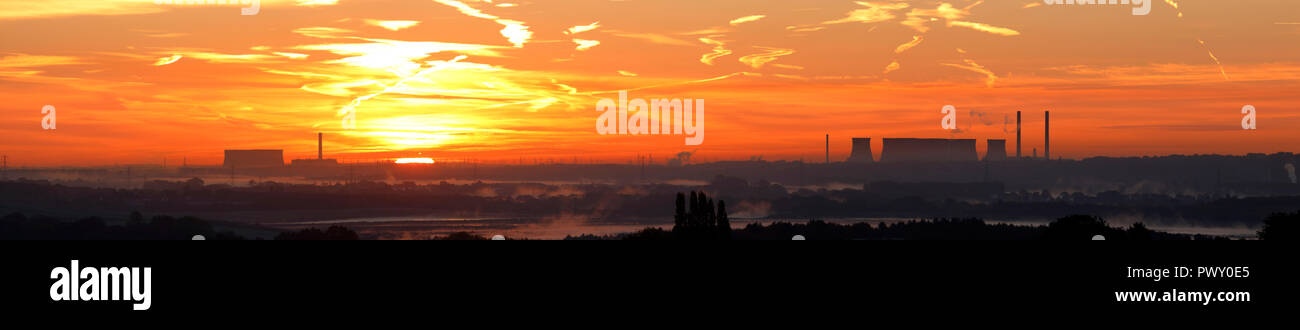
268 159
944 150
861 151
928 150
320 160
997 150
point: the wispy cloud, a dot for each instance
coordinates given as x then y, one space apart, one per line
769 54
893 66
168 60
576 29
654 38
985 28
64 8
392 25
916 40
746 19
515 31
36 61
875 12
990 77
585 44
216 57
719 50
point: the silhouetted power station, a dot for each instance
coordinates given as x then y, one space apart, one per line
928 150
945 150
320 155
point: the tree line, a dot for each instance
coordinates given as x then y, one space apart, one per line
697 218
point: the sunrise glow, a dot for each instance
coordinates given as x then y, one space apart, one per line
414 161
496 82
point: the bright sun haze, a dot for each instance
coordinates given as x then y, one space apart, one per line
414 161
495 82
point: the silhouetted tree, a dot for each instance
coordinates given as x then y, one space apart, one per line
1139 232
649 234
462 236
724 224
703 221
1081 227
136 218
1280 227
679 216
18 226
334 233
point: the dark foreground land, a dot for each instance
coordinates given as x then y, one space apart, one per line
17 226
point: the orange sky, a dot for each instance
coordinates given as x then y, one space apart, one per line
137 82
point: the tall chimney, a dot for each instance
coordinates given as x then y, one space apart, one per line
1017 134
1047 135
828 148
320 146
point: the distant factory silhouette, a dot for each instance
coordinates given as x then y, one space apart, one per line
895 150
269 158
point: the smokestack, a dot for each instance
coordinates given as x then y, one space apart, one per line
828 148
1047 135
1017 134
320 146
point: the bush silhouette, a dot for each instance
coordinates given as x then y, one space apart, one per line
135 227
334 233
1280 227
698 218
462 236
1080 228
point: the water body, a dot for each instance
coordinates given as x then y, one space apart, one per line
558 227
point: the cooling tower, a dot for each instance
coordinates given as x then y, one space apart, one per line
861 151
928 150
997 151
254 158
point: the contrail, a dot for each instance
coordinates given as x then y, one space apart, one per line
351 107
1203 45
1216 60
